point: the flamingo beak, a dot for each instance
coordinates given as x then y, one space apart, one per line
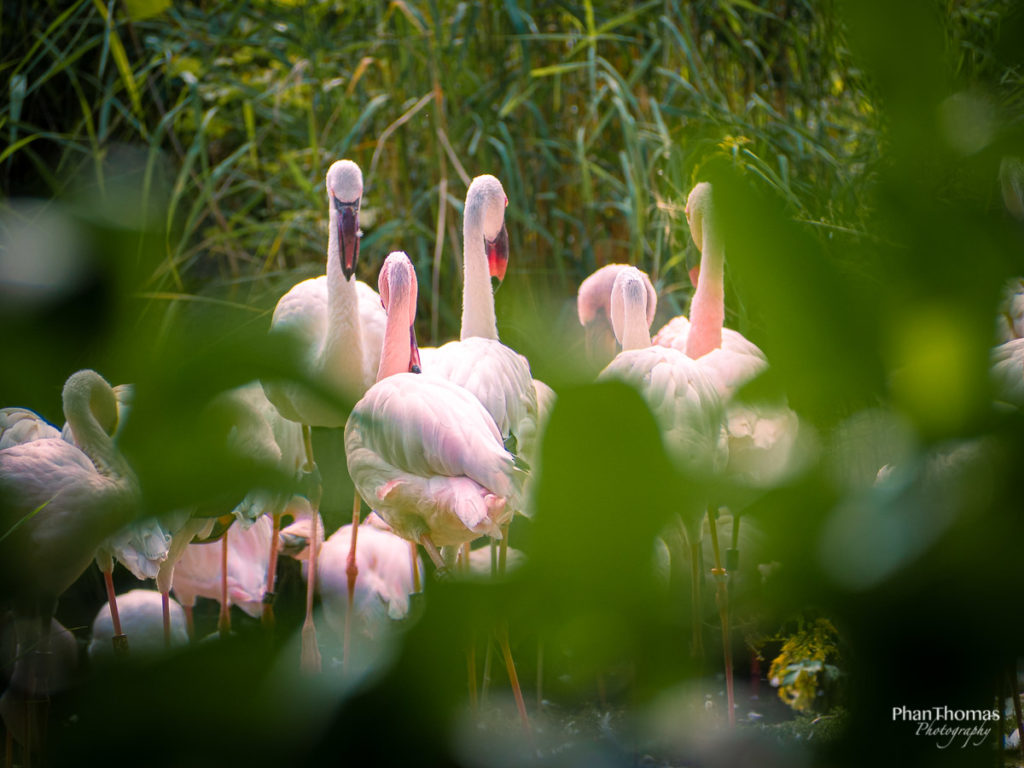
695 275
414 357
348 235
497 257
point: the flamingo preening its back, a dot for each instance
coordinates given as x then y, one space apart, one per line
425 451
58 502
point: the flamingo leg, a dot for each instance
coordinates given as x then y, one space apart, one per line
224 620
485 683
503 550
120 640
697 603
722 598
471 668
416 585
189 622
310 660
267 617
428 545
351 572
513 678
165 601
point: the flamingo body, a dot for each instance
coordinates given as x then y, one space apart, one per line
141 612
430 459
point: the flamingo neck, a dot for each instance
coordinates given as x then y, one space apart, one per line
707 309
341 357
396 354
79 400
477 297
636 332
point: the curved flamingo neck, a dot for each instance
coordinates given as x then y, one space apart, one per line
396 354
707 309
84 391
341 356
636 332
478 317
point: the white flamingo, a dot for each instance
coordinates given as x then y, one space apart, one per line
242 580
593 305
337 323
142 618
682 396
499 377
425 451
60 501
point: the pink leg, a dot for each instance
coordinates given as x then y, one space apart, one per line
189 622
351 571
513 678
119 639
224 621
267 618
310 660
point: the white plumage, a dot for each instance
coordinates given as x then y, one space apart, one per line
499 377
141 612
67 499
335 321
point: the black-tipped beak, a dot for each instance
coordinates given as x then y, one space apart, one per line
497 256
414 351
348 235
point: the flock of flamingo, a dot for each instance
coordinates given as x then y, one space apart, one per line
441 445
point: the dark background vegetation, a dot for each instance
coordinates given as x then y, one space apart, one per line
179 152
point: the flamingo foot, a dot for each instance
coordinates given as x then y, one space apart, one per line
119 640
310 661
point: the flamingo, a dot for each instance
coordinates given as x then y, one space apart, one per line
141 545
141 615
498 376
59 503
682 396
593 307
426 451
201 571
337 323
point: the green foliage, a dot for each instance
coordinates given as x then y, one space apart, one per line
179 151
806 667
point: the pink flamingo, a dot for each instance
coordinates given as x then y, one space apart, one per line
425 450
337 323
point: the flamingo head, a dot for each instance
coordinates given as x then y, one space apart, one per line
698 210
345 192
631 299
593 305
398 288
485 205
